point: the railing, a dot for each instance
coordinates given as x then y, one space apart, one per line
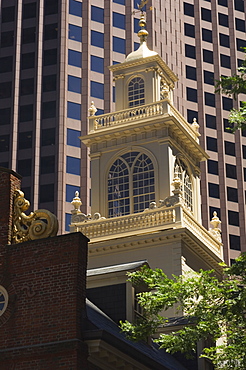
128 115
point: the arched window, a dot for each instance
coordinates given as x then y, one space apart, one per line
136 92
186 184
131 184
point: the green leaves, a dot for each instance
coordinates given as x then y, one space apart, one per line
212 310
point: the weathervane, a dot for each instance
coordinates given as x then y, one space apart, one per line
141 6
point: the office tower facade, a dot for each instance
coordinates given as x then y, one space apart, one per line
54 59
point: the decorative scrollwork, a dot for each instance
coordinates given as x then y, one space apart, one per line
38 225
78 216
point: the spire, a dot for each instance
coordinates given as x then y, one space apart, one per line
143 50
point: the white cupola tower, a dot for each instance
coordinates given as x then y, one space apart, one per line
145 174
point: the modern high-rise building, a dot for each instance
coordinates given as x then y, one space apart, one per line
54 60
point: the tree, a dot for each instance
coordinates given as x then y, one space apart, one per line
213 310
233 86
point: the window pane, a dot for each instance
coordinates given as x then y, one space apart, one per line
47 164
191 73
97 39
6 64
224 40
208 56
25 140
191 114
27 86
74 58
239 5
119 20
232 194
206 15
75 8
208 78
235 243
227 103
189 9
241 44
50 57
46 193
67 221
233 218
97 90
28 35
97 64
209 99
49 83
136 93
240 24
210 121
29 11
212 144
191 94
74 84
223 2
8 14
97 14
48 136
70 192
190 51
4 143
5 116
24 167
75 33
5 90
73 137
213 190
225 61
231 171
73 165
223 20
119 45
213 167
230 148
207 35
50 7
26 113
48 109
227 126
73 110
50 31
7 39
27 60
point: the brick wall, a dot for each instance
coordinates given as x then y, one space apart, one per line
46 281
9 181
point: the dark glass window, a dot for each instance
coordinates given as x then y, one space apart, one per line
27 60
73 137
48 109
244 174
121 2
241 44
49 83
97 90
27 86
213 167
235 242
25 140
239 62
223 2
240 24
230 148
48 136
227 103
190 51
224 40
191 94
212 144
75 33
191 73
207 35
209 99
7 39
206 15
97 14
244 151
5 90
29 10
210 121
74 58
28 35
73 165
208 56
4 164
225 61
50 31
26 113
46 193
73 110
223 20
119 45
239 5
208 77
8 14
70 192
47 164
4 143
67 221
50 7
74 84
232 195
227 126
231 171
233 218
97 64
75 8
189 9
119 20
189 30
24 167
97 39
5 116
213 190
136 46
50 57
6 64
191 114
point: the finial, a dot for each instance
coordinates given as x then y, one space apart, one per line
76 202
215 222
143 33
92 110
195 126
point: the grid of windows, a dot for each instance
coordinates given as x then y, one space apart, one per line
136 92
131 184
